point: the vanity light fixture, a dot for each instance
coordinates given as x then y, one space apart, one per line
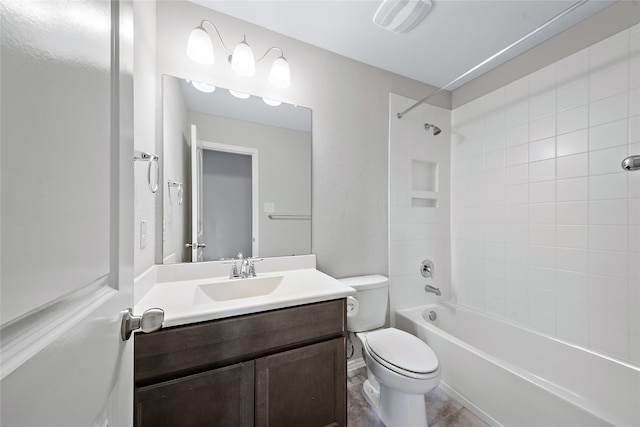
203 87
240 95
271 102
243 62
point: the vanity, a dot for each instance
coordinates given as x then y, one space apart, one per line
261 351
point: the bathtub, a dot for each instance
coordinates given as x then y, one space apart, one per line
509 375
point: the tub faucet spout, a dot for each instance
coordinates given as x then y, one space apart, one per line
429 288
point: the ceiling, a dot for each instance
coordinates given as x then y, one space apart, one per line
455 36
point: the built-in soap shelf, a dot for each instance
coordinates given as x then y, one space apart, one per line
424 184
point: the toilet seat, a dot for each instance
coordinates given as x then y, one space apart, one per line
402 353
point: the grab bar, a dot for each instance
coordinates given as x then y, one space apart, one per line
151 158
292 217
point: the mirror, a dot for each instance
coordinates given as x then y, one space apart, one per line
245 186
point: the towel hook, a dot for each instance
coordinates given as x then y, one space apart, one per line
180 189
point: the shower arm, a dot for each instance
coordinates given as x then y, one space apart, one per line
491 58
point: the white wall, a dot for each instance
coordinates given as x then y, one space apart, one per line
350 129
416 232
545 223
144 14
176 152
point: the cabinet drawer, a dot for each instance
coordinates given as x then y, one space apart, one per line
183 350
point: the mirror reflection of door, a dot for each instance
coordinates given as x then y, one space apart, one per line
227 204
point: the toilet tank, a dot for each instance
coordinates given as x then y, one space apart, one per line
372 296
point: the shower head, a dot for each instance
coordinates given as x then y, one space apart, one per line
436 129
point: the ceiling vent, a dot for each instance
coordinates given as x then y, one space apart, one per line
401 16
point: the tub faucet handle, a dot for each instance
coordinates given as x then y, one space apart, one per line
426 268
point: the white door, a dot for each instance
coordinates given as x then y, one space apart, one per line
66 212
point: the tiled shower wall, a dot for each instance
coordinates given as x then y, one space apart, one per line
545 223
419 203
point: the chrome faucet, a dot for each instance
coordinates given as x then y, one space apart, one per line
429 288
247 267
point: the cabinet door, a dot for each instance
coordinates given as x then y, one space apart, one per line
221 397
303 387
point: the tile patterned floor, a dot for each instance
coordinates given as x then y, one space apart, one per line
442 410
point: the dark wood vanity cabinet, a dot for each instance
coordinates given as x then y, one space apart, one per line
283 367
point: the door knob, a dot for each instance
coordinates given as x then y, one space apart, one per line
151 320
196 245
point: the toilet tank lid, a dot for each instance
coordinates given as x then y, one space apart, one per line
370 281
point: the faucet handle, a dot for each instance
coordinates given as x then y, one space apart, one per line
252 267
234 272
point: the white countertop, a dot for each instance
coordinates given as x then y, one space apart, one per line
184 302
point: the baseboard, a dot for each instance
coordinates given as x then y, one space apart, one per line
354 364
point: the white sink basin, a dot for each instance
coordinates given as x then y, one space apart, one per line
237 289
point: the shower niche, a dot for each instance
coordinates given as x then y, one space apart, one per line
424 184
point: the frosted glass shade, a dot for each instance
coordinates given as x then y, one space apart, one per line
199 47
280 75
242 60
203 87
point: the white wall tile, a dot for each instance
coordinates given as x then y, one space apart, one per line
517 135
573 166
573 189
611 186
607 263
544 170
608 135
572 236
606 161
553 238
611 82
542 149
543 213
572 306
573 119
608 237
572 259
517 155
608 212
571 282
542 235
517 174
608 109
542 105
572 143
573 213
573 95
543 128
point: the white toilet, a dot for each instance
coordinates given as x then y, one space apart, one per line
401 368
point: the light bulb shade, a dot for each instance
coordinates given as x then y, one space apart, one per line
203 87
242 60
271 102
199 46
239 95
280 75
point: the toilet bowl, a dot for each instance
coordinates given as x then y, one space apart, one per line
401 368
